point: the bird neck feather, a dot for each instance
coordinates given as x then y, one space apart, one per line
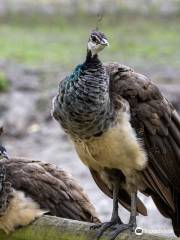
85 104
91 58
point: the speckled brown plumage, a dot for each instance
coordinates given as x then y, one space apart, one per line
157 125
53 189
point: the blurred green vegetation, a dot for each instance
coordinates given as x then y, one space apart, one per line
35 39
4 83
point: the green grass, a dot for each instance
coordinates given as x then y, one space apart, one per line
38 41
4 83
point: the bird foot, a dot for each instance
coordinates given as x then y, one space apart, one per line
118 228
115 228
102 227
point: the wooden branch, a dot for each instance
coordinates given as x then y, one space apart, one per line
53 228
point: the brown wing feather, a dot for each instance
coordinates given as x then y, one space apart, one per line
157 124
54 189
124 197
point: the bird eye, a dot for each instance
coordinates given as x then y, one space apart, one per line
94 39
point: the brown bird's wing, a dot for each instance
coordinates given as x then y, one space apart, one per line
52 188
124 197
157 125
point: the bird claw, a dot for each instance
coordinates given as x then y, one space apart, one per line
105 226
102 228
117 229
95 226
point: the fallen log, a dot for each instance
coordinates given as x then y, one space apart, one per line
54 228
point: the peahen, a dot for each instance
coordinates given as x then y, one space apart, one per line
126 132
32 188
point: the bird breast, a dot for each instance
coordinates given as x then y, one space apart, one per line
117 148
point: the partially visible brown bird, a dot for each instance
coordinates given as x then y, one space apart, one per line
32 188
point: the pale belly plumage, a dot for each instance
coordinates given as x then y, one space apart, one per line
22 210
118 148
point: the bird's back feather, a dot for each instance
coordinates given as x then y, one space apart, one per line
157 125
51 187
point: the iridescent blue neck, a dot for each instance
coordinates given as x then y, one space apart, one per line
76 73
84 102
91 62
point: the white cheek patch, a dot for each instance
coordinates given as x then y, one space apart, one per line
91 45
94 48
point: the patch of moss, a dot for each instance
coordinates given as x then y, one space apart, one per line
4 83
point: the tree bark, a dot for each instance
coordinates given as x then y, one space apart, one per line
54 228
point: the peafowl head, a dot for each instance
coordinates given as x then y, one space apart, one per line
97 42
3 153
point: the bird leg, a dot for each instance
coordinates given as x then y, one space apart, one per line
2 176
5 190
115 219
132 220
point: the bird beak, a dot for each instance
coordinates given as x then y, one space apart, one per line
104 42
